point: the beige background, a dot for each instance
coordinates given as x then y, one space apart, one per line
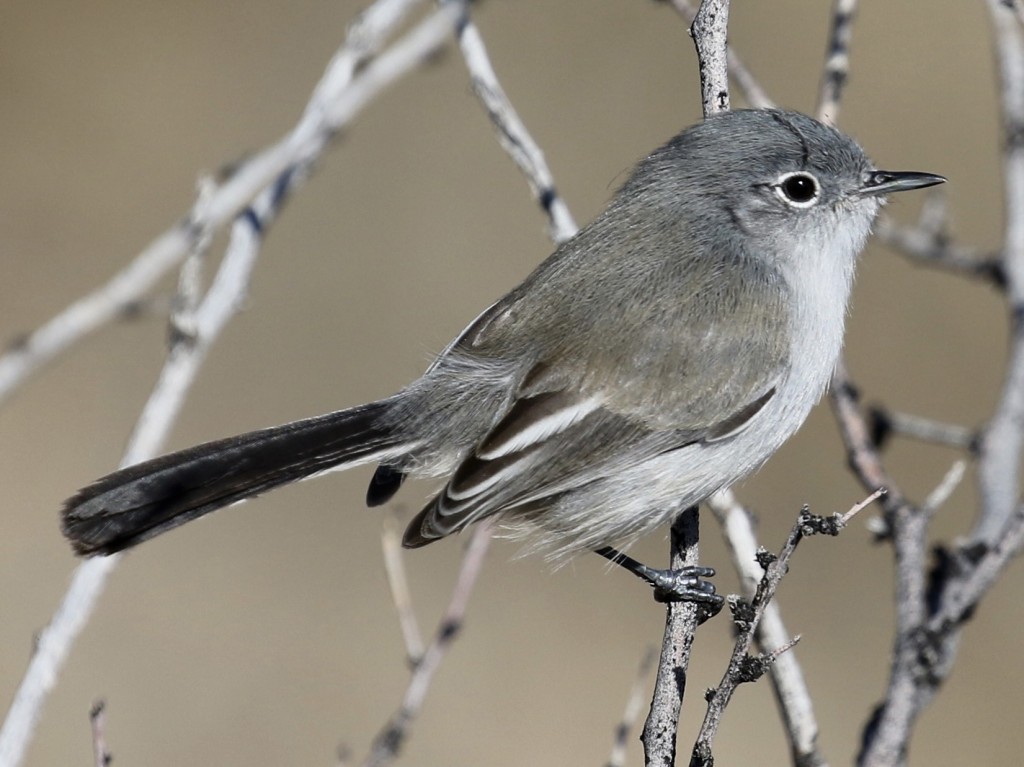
264 635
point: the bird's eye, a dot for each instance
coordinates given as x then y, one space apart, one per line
799 189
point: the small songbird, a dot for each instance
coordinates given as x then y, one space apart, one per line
662 354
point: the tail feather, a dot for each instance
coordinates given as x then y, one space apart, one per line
144 500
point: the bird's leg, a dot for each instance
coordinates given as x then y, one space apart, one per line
682 585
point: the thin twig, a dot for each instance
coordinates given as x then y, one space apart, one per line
791 693
190 276
394 565
389 741
98 724
885 423
962 595
631 714
861 451
710 32
931 246
512 133
937 497
747 616
837 61
755 95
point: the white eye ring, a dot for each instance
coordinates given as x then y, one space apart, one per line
798 189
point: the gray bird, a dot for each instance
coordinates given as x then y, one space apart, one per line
662 354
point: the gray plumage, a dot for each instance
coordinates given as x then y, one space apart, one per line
663 353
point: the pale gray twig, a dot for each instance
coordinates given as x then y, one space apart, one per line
512 133
837 60
933 248
885 422
970 579
937 497
389 741
98 724
709 30
755 95
398 583
1003 438
182 322
886 734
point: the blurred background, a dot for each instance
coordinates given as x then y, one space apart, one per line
265 635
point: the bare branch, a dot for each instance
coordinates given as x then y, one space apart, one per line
791 693
98 722
885 423
709 31
183 361
681 621
837 60
389 741
972 577
394 565
862 453
937 497
512 133
929 244
1003 440
747 616
751 89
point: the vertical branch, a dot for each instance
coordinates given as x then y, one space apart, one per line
398 583
710 31
751 89
682 618
1002 440
887 732
98 721
747 616
681 621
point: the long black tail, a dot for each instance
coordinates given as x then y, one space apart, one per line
144 500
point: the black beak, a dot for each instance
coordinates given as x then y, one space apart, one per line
880 182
